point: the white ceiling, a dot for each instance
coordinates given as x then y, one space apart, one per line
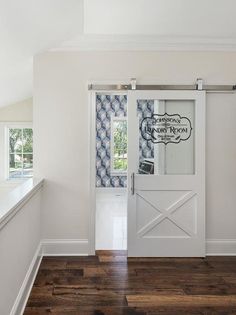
28 27
201 18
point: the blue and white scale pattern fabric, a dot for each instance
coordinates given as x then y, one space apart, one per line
146 148
106 107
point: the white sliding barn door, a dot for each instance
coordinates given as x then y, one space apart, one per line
166 173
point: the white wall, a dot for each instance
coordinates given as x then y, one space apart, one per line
19 240
21 111
61 122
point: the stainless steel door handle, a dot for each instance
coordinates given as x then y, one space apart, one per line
132 183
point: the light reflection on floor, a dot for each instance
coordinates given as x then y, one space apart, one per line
111 220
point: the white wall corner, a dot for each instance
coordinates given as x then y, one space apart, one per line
65 247
24 292
221 247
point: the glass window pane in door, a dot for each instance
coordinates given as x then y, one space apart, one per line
166 136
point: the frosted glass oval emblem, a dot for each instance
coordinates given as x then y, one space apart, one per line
166 128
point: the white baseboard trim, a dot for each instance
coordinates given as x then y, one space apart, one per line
80 247
65 247
221 247
113 190
23 295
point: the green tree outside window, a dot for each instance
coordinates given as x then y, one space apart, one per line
20 152
120 145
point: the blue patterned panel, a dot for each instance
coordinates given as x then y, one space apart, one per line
116 106
145 108
106 107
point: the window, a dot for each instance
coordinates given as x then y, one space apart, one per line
118 145
20 151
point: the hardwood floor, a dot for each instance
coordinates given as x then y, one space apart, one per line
108 284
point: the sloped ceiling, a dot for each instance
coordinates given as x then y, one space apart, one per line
28 27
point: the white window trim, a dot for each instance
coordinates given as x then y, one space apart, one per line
115 172
7 126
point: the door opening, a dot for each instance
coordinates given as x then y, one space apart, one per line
148 184
111 171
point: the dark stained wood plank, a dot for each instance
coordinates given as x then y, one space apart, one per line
111 284
58 276
53 263
129 311
90 272
176 301
218 289
64 296
113 259
77 291
230 279
103 310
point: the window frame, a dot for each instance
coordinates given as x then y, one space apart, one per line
114 172
8 126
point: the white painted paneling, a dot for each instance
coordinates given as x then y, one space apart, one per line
61 129
19 240
64 247
221 166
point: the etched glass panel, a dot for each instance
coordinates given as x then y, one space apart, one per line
166 136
